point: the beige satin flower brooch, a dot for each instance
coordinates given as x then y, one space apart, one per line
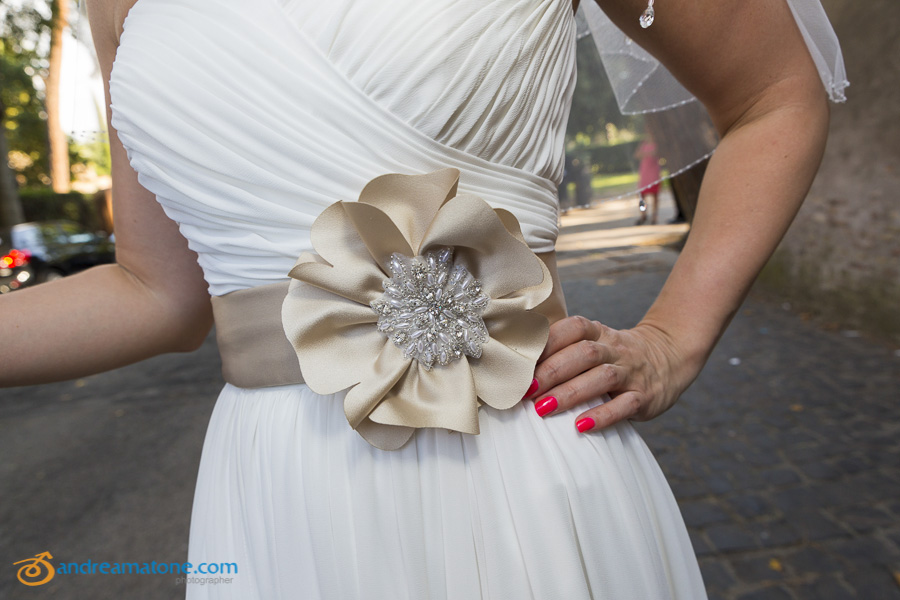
420 301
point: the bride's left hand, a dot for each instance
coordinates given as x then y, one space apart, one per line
642 370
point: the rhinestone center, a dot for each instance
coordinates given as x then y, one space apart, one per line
431 309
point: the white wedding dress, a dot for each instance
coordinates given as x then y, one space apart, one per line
246 119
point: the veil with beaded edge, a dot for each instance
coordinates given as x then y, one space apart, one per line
642 85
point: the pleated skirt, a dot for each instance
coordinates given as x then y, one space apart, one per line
527 509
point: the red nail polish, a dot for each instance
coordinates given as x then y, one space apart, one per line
532 388
585 424
545 406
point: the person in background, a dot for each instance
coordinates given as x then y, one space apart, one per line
648 181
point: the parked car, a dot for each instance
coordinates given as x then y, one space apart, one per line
35 252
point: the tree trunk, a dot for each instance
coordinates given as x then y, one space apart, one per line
60 174
10 204
686 189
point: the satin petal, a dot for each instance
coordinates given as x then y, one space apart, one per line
517 341
335 238
511 223
334 338
358 282
412 201
536 294
484 246
378 232
377 379
385 437
441 397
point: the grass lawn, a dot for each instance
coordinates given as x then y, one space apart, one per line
602 183
608 186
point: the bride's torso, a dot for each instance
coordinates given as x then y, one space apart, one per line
247 118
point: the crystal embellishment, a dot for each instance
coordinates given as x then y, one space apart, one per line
647 17
431 309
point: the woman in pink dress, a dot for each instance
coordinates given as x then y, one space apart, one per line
648 182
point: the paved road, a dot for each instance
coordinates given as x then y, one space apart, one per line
784 455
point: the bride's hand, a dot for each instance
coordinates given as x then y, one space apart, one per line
642 369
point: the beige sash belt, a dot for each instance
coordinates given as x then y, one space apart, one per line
255 351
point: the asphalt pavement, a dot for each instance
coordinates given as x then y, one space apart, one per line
784 454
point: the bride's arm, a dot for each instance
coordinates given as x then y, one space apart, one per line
748 64
153 300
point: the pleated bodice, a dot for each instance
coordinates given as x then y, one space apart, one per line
246 119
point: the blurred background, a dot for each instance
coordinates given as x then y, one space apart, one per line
785 455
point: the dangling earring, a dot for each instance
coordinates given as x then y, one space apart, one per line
646 19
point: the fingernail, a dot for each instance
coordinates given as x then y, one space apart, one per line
585 424
545 406
532 388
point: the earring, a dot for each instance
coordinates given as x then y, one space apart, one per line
646 19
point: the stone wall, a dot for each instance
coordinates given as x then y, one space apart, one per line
841 258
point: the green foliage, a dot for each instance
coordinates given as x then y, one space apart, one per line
22 119
24 43
594 106
606 159
42 204
24 37
25 30
95 153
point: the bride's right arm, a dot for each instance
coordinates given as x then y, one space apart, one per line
152 300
